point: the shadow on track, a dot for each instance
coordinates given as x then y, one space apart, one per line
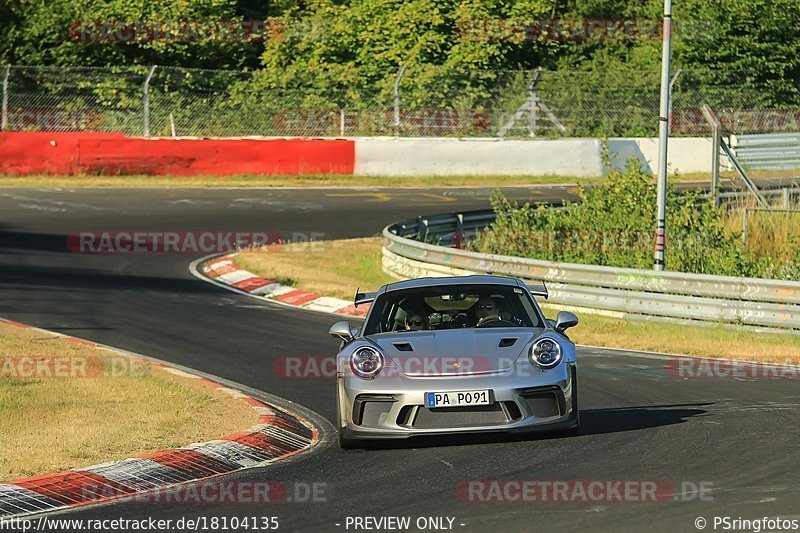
593 422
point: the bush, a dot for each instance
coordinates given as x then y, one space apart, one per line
613 225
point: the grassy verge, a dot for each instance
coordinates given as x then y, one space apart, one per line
336 268
318 180
332 268
321 180
66 405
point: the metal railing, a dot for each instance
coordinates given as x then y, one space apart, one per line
408 252
776 151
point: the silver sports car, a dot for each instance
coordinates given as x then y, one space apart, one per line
441 356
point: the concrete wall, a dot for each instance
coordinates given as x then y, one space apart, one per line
563 157
447 157
685 154
114 153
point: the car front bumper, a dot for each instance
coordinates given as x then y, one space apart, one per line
394 407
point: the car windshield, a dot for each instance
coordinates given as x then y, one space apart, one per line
452 307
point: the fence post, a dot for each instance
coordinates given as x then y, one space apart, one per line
146 101
671 85
397 101
4 120
716 137
341 122
744 226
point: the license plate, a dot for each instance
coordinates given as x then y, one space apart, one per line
458 399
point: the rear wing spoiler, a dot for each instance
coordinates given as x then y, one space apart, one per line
538 289
363 298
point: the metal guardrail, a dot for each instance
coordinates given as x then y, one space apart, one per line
774 151
646 293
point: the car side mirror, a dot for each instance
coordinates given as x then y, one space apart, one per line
341 330
565 320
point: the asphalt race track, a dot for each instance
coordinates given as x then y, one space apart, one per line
737 438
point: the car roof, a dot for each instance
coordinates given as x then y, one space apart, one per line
455 280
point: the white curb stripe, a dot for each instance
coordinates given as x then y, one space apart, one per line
326 303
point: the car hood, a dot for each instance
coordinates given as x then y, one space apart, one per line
455 351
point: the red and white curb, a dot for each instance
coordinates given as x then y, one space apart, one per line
277 435
224 270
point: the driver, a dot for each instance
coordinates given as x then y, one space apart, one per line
415 322
485 309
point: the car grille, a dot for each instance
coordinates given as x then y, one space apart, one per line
545 403
372 409
483 415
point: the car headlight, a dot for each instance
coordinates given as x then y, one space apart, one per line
546 353
366 362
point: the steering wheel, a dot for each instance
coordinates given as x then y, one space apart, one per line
492 320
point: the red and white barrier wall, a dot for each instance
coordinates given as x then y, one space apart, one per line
115 154
25 153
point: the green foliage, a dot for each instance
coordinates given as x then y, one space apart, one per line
40 32
333 54
613 225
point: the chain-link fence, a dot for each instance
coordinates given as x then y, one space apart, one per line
433 101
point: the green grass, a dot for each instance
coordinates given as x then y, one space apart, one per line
51 422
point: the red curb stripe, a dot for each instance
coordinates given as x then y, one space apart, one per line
296 297
81 341
351 309
73 487
265 443
251 284
222 270
12 323
191 464
253 402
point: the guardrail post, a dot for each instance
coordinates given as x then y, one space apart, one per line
397 101
4 120
146 101
785 196
458 238
422 229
